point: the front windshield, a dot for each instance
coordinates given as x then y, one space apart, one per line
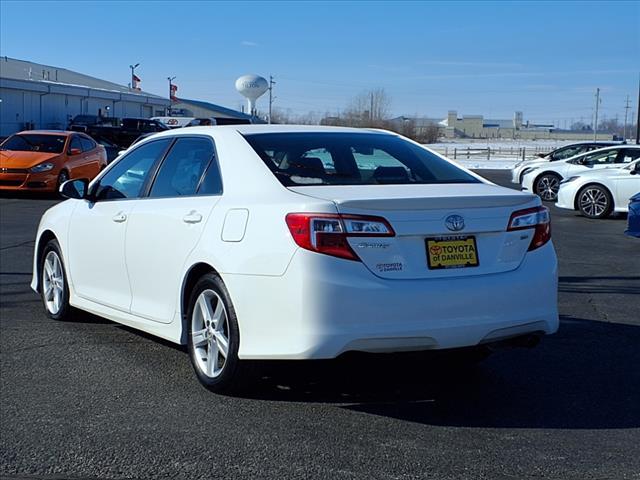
34 143
328 158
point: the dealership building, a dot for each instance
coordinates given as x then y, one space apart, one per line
45 97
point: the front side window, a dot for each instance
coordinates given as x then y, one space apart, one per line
34 143
568 152
328 158
126 179
75 144
601 158
181 171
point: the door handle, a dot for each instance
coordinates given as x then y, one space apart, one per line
119 217
192 217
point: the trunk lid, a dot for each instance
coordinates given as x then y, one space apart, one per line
420 212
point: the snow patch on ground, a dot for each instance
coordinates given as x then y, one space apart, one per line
501 164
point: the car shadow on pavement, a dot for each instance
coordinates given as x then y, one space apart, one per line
587 376
591 285
30 195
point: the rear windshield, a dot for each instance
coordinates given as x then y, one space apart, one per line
35 143
326 158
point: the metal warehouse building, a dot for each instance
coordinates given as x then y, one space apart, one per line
197 108
40 96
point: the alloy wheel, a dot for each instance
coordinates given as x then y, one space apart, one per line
210 333
547 187
53 282
593 202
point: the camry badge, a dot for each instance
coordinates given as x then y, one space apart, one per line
455 223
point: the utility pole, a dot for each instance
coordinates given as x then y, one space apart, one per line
627 106
133 76
371 109
271 97
638 119
595 123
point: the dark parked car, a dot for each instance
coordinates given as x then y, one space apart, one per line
574 149
111 148
124 132
633 220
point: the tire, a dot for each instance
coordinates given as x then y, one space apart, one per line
469 356
63 176
595 201
54 289
546 187
213 337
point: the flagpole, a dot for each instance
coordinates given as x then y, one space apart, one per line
134 84
171 79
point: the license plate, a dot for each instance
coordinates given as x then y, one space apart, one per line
451 252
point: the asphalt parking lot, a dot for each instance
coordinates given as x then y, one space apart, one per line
92 399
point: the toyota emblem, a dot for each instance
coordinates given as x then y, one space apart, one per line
455 223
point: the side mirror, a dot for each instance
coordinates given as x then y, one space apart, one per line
76 189
75 151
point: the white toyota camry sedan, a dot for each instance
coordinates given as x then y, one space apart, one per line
280 242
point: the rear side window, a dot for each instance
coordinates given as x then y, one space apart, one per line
629 155
327 158
87 144
182 170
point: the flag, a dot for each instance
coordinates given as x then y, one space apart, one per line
135 81
172 93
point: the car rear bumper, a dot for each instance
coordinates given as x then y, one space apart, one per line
324 306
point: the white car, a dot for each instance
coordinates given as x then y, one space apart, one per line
544 180
283 242
563 153
596 194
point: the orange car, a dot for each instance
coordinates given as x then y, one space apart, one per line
41 160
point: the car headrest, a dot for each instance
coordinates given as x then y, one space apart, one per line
391 175
308 163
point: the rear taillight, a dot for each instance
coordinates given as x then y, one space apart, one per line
328 233
537 218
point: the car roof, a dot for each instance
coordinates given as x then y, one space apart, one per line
45 132
596 142
255 129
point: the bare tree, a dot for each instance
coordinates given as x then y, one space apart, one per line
368 109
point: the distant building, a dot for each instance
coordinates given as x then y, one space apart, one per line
476 126
196 108
33 95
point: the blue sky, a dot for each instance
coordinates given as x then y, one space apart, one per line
491 58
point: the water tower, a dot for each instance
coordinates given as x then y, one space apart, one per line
252 87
